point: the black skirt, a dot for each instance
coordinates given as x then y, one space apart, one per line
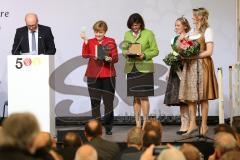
140 84
172 91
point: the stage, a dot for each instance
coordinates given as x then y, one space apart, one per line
120 133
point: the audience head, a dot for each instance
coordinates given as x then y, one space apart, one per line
93 129
231 155
135 137
31 20
135 22
154 124
151 137
20 130
224 142
171 154
86 152
71 139
190 152
225 128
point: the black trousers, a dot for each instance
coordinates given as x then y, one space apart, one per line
102 88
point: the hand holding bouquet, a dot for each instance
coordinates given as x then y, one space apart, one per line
173 59
188 48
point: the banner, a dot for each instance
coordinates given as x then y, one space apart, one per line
68 18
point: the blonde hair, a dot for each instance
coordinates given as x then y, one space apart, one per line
135 136
100 26
202 16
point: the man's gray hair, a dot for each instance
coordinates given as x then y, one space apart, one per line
19 130
171 154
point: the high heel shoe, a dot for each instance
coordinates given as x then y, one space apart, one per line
181 132
190 131
203 131
184 124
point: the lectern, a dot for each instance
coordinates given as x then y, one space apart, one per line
29 90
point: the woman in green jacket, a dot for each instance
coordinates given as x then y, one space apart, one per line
139 68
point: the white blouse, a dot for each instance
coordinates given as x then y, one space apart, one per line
208 35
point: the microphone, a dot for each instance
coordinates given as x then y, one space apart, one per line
14 53
42 44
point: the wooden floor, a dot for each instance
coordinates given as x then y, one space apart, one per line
120 133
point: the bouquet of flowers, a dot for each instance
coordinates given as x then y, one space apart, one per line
173 59
188 48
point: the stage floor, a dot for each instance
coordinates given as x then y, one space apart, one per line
120 133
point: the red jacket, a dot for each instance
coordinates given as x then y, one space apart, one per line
97 68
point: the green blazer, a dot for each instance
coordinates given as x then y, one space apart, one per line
149 49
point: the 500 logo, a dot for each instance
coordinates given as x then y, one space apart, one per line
26 62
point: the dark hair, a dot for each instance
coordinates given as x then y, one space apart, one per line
93 131
236 124
151 137
135 18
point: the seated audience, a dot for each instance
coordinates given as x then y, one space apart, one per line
171 154
46 145
86 152
19 131
150 137
71 142
106 150
223 142
155 124
190 152
231 155
134 143
236 126
225 128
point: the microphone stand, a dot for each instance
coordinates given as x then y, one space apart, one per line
15 51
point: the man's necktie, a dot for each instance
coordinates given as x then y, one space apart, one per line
33 42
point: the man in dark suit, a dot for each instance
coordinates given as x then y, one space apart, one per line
33 38
106 150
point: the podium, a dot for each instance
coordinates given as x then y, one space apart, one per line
29 90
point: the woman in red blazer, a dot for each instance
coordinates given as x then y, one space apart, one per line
102 54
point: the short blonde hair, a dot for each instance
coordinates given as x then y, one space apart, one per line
100 26
135 136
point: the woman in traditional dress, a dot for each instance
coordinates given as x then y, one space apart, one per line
182 28
199 83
